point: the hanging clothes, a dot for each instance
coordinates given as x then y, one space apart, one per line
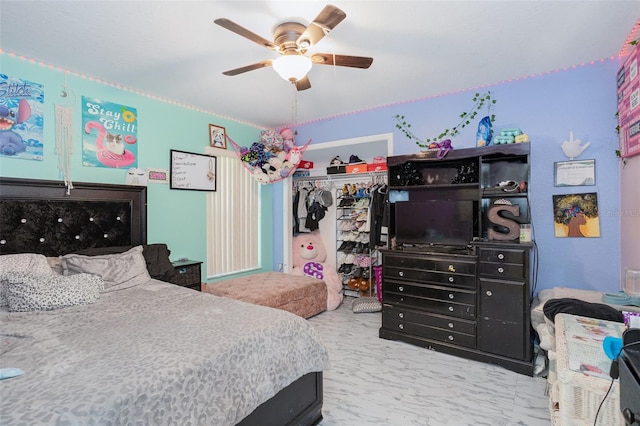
379 204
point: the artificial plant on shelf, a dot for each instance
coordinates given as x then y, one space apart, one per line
465 119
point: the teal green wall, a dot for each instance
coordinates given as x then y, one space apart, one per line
175 217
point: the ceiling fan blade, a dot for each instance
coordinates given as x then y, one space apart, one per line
327 20
251 67
232 26
303 84
341 60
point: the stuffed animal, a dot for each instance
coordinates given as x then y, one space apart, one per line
309 256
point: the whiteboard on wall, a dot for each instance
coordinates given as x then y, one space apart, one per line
196 172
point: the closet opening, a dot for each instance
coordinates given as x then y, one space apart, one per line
321 154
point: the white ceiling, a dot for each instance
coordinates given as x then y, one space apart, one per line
172 49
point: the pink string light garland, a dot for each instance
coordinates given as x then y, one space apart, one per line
624 50
121 87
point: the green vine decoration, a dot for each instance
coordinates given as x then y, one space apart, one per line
465 119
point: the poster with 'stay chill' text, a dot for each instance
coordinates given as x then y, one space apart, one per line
109 134
21 118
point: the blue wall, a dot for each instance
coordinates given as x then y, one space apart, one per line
175 217
548 107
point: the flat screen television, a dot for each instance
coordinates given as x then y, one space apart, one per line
435 222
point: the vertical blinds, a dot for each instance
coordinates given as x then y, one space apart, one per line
233 220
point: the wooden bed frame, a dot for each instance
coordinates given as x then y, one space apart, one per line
37 216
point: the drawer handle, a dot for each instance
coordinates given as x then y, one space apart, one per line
501 270
401 288
450 308
450 325
451 279
401 273
451 296
489 293
452 268
401 326
401 315
500 256
451 337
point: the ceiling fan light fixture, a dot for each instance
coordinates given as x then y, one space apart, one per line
292 67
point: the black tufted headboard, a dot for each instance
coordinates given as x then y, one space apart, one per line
37 216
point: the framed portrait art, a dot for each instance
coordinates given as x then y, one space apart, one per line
217 136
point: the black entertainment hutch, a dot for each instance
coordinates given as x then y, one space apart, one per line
463 286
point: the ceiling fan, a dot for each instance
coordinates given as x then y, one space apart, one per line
292 40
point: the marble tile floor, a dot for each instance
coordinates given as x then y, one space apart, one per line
373 381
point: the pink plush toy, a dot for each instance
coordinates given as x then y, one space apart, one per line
309 255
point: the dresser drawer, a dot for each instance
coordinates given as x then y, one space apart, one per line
502 255
503 270
421 330
444 294
430 263
401 314
459 310
424 276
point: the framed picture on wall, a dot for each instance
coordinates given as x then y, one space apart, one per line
575 173
217 136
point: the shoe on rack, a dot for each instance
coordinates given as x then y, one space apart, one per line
337 161
357 272
343 246
354 159
346 202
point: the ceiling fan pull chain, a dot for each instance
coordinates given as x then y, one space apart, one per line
294 107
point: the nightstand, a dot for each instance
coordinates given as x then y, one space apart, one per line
187 274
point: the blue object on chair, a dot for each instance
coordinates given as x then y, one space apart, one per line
612 347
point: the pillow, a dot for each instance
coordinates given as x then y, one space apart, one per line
366 304
581 308
23 262
155 255
28 291
119 271
55 263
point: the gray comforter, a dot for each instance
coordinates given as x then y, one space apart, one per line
153 354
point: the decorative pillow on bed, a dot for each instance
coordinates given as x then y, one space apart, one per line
24 262
156 255
27 291
119 271
366 304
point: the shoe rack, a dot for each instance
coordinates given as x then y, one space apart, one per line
351 248
354 256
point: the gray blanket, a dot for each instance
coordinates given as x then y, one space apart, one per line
154 354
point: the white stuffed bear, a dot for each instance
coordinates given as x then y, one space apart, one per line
309 255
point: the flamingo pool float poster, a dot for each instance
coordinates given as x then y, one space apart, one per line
109 134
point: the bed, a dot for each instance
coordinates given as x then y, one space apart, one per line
301 295
143 351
